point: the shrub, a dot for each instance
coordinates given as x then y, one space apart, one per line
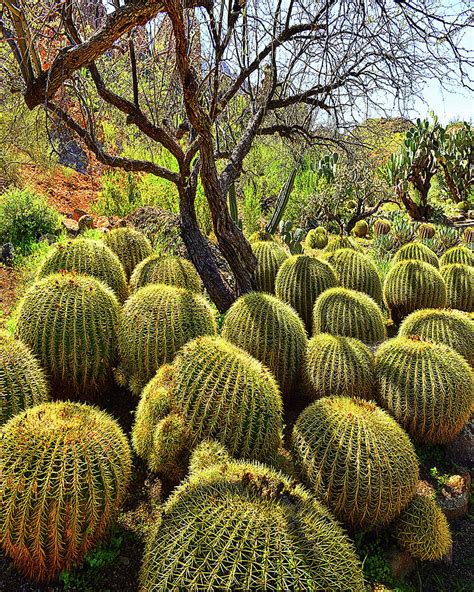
130 246
459 281
270 331
457 254
341 242
70 322
427 387
381 227
269 256
317 238
65 471
171 270
418 252
156 321
361 229
357 272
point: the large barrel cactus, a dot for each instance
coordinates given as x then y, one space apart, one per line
412 285
270 331
340 311
243 526
339 367
449 327
212 390
156 321
171 270
427 387
130 246
418 252
22 380
65 469
459 281
458 254
88 257
357 272
70 322
269 256
357 460
300 281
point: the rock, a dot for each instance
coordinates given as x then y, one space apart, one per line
401 563
7 254
78 213
102 222
85 222
454 496
48 238
470 214
71 226
460 451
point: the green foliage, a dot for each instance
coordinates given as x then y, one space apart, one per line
260 235
418 252
119 194
317 238
381 227
292 237
269 256
357 272
456 160
357 460
427 387
130 246
459 281
171 270
65 470
457 254
445 238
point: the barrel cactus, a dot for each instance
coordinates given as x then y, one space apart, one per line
213 389
270 331
65 469
357 272
427 387
269 256
341 242
260 235
459 281
88 257
449 327
317 238
70 323
22 381
156 321
243 526
357 460
457 254
381 227
170 270
412 285
361 229
130 246
300 281
468 236
426 231
418 252
340 311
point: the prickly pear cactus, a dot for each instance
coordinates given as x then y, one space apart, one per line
357 272
459 281
130 246
417 252
270 257
171 270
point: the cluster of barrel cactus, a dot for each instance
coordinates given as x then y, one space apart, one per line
357 272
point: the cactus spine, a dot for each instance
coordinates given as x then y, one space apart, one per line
357 272
418 252
130 246
457 254
459 281
171 270
269 256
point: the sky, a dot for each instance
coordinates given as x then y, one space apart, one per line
455 106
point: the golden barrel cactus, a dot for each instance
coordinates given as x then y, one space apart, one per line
170 270
130 246
418 252
270 257
459 281
357 272
458 254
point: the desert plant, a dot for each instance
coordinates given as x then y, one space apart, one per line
411 285
341 242
215 390
381 227
458 254
336 366
361 229
446 238
468 236
340 311
88 257
260 235
65 471
262 532
357 460
22 380
426 230
171 270
317 238
300 280
416 251
292 237
156 321
427 387
270 331
357 272
130 246
459 281
269 256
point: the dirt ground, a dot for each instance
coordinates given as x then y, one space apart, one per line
8 282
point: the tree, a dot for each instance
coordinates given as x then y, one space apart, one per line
212 75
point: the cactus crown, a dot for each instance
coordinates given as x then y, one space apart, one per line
269 256
457 254
317 238
65 470
459 281
260 235
130 246
88 257
170 270
418 252
357 272
341 242
356 458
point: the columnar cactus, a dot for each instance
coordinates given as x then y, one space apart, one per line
244 526
361 229
270 331
341 242
300 281
457 254
22 380
418 252
338 367
130 246
381 227
449 327
340 311
426 231
317 238
412 285
70 322
170 270
357 460
427 387
357 272
213 389
88 257
156 321
459 281
269 256
65 470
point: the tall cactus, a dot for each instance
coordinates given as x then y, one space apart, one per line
170 270
130 246
270 257
418 252
457 254
459 281
282 200
357 272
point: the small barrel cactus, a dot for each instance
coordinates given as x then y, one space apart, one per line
381 227
468 236
426 231
65 470
341 242
339 367
340 311
156 321
215 390
459 281
269 256
270 331
316 238
449 327
418 252
70 323
243 526
171 270
301 280
361 229
357 272
130 246
357 460
427 387
22 380
412 285
457 254
88 257
260 235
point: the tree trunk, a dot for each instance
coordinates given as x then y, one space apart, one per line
419 212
